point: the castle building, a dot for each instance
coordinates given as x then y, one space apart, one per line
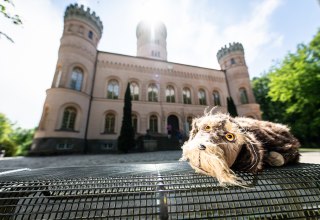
84 106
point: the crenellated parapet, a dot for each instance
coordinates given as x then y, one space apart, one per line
76 11
233 47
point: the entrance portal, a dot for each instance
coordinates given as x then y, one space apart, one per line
174 122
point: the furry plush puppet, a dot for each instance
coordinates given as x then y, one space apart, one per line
219 144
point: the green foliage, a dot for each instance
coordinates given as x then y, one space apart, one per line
15 19
5 127
271 110
23 138
126 139
292 88
9 146
232 109
15 141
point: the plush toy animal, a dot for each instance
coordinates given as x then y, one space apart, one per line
219 144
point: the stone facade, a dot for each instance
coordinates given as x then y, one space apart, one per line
84 106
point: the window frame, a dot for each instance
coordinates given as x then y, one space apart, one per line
170 94
109 123
113 89
185 92
153 123
69 118
203 99
153 93
76 79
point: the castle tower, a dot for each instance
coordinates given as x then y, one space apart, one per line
65 113
232 62
152 40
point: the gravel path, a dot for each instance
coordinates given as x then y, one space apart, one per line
91 160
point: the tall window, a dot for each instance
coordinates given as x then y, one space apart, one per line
109 125
216 98
69 118
232 61
134 89
202 97
90 35
152 93
76 79
113 90
153 121
189 121
243 96
186 96
170 94
134 119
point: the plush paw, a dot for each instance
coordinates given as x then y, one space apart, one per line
275 159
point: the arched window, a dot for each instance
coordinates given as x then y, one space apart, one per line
76 79
134 89
170 94
202 97
189 121
243 96
109 125
153 123
216 98
90 35
134 119
113 89
232 61
152 93
186 96
69 118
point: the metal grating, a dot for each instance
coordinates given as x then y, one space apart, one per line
157 191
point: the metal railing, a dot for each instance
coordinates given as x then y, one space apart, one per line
157 191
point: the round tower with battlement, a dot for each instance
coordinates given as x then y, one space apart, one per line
65 113
232 61
152 40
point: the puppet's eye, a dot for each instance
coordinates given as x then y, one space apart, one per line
230 137
207 128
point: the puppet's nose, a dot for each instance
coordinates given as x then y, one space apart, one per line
202 147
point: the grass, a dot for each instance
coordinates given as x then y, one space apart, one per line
309 149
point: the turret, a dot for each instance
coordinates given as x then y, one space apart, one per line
152 40
65 113
78 48
232 62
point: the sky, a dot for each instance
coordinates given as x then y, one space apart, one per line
197 29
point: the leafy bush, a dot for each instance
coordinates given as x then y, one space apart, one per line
9 146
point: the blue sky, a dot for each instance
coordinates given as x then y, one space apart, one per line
197 29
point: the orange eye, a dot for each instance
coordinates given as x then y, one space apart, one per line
207 128
230 137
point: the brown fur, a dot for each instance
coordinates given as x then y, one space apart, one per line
256 144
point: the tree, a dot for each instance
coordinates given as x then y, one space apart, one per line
271 110
126 139
15 141
23 139
5 127
6 143
295 83
232 109
15 19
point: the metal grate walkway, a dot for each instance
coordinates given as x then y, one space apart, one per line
157 191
